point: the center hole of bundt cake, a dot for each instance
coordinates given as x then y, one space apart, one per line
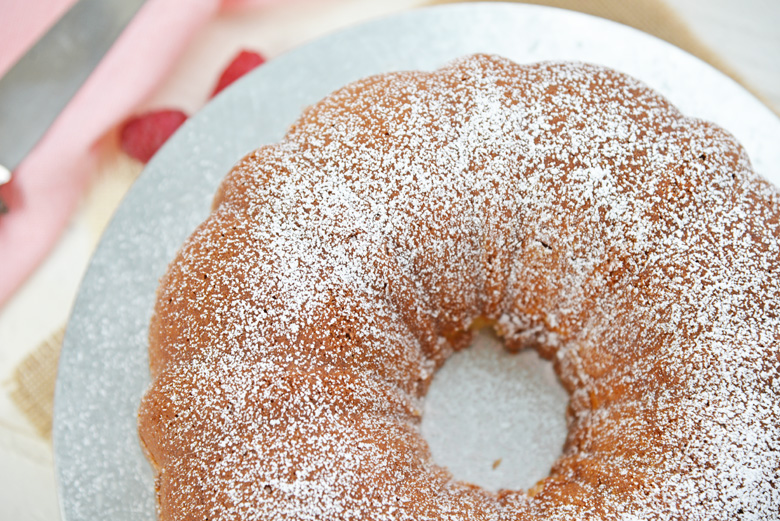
494 418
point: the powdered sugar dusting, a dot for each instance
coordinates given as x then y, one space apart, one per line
297 330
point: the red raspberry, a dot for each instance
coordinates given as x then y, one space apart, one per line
244 62
141 136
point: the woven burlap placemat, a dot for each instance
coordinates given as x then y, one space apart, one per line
32 384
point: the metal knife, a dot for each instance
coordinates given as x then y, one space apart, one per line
39 86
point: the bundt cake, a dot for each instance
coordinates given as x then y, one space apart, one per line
565 204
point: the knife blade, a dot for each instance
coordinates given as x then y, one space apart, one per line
39 86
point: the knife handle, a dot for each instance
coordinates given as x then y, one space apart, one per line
5 176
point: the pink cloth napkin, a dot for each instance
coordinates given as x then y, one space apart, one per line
47 186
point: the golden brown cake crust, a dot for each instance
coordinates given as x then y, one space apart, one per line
298 328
